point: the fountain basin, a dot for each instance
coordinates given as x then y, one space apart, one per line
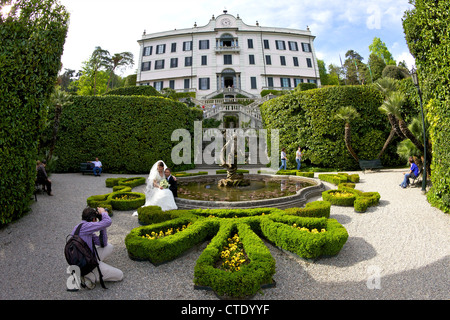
297 198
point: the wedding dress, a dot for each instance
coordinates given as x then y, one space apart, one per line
154 196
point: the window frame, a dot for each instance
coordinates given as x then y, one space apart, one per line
230 56
159 48
306 47
149 63
188 61
251 59
203 44
187 46
293 48
280 44
159 64
253 83
203 83
145 53
288 82
174 62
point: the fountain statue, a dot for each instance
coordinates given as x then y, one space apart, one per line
233 179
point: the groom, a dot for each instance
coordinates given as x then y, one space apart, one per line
172 181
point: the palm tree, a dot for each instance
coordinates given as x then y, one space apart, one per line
386 86
59 99
348 114
123 59
391 107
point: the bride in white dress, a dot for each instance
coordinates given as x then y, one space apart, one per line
156 195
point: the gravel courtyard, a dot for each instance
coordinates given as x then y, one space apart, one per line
397 250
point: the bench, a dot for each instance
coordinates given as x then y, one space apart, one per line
38 188
370 164
417 181
86 167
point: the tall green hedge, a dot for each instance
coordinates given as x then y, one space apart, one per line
427 32
134 91
31 45
306 119
127 133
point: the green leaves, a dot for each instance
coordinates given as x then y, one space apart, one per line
308 119
428 36
31 45
128 133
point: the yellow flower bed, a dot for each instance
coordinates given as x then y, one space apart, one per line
125 197
307 230
161 234
233 255
342 194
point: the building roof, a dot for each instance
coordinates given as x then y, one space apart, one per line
224 22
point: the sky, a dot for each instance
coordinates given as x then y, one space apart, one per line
340 25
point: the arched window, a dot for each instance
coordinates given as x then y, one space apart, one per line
227 40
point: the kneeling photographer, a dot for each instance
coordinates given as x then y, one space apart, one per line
95 220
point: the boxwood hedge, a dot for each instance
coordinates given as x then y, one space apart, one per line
217 225
427 34
250 278
306 119
31 44
127 133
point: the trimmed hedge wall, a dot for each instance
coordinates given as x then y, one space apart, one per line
31 45
427 34
306 118
148 91
127 133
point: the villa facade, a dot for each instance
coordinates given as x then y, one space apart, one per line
227 53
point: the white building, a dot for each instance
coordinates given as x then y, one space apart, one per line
227 53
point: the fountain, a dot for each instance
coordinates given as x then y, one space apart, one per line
233 179
253 191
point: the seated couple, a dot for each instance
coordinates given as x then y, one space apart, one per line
161 188
413 173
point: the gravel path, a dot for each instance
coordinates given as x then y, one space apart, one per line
403 240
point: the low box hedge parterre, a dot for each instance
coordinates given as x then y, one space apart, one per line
295 173
122 198
165 236
252 275
217 225
338 178
347 195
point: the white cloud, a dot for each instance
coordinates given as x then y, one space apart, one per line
407 57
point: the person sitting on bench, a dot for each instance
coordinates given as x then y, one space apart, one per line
97 167
413 173
42 177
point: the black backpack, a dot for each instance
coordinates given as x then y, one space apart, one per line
79 254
